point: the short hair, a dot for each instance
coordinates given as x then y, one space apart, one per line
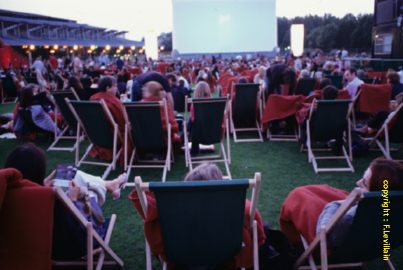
30 160
26 96
325 82
105 82
152 89
384 169
243 80
393 77
172 77
352 71
330 92
202 90
205 171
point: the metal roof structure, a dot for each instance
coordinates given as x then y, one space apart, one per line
18 28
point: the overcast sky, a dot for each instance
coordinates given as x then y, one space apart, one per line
142 16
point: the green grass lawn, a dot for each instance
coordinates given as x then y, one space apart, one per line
282 165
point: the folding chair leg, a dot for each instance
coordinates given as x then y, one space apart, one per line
90 255
129 167
148 256
310 258
107 239
323 249
390 265
255 247
225 160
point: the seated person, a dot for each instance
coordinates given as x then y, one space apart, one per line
153 91
179 93
330 92
107 91
141 80
309 207
202 90
397 87
32 113
205 171
87 192
375 123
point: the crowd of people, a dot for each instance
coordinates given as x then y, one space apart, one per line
304 210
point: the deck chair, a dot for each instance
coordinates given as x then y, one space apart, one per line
390 132
148 135
201 221
331 120
364 241
243 111
336 80
305 86
91 237
209 116
71 122
279 107
9 93
100 128
371 99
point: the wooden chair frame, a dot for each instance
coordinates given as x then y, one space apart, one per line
258 127
384 130
92 235
62 135
116 151
347 156
225 152
142 187
320 240
166 165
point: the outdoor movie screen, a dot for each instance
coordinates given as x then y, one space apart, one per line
224 26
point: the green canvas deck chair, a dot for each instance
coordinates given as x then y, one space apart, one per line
201 221
207 129
59 97
148 136
336 80
366 239
102 252
330 120
9 93
97 122
245 114
305 86
390 132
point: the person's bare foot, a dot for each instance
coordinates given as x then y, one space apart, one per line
114 186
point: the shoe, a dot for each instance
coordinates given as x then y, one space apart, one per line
116 192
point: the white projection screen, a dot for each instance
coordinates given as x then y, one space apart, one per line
224 26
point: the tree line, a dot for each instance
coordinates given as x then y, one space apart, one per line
329 32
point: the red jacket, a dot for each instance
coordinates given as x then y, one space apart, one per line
302 207
116 108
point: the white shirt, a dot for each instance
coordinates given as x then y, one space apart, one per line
401 75
353 86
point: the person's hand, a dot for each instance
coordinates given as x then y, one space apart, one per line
48 181
76 192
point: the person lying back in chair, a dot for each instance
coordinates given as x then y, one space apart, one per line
307 208
203 172
87 192
374 123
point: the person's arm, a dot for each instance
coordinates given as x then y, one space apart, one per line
339 233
